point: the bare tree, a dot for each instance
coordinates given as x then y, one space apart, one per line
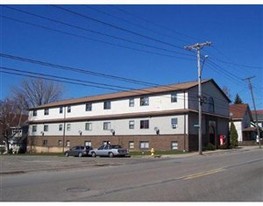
226 90
35 92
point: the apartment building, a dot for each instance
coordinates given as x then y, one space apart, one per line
162 117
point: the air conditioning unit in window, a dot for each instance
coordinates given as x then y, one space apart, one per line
174 126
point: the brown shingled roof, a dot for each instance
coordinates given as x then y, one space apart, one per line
126 94
238 110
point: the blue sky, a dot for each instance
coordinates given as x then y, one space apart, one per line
141 42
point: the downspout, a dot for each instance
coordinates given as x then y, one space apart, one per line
184 124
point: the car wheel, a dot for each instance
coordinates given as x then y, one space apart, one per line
93 154
80 154
66 154
111 155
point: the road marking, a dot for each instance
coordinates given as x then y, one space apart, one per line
201 174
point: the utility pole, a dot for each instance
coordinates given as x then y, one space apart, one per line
252 95
198 47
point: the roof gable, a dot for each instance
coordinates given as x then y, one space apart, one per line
238 111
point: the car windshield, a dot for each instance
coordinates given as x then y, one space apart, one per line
116 146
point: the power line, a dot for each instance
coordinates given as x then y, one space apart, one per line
96 32
132 23
117 27
155 24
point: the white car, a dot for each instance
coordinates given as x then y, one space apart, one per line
109 151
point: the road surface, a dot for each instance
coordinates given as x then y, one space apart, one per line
226 176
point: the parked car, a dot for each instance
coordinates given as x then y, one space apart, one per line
109 151
78 151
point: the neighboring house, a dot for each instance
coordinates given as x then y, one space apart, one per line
260 120
163 118
18 130
241 116
260 117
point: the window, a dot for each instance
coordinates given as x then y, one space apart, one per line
68 143
144 145
173 97
69 109
106 125
60 110
88 126
144 101
34 128
174 145
174 122
44 142
88 106
144 124
46 111
68 127
107 105
87 143
131 145
60 127
131 102
211 105
59 142
45 128
34 113
131 124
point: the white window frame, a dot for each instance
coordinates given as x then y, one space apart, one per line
88 107
107 105
144 145
174 97
34 128
131 145
60 127
45 129
68 127
131 124
46 111
174 145
131 102
144 101
88 126
174 122
106 125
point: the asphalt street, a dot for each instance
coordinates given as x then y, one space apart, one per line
235 175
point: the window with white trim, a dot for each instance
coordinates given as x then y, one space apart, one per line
60 127
69 109
106 125
174 145
144 101
144 145
88 107
60 110
68 127
34 113
131 145
174 97
88 126
68 143
131 124
107 105
131 102
174 122
46 111
87 143
34 128
45 128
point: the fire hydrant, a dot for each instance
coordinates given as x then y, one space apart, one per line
152 152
